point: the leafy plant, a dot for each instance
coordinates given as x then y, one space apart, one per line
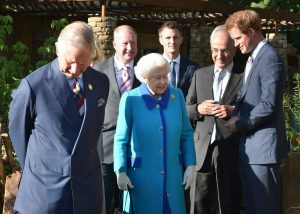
47 51
14 61
292 113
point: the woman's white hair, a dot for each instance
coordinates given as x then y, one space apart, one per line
149 63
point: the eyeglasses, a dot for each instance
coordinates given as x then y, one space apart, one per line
224 52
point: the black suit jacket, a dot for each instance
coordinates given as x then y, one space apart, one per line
187 68
201 90
111 110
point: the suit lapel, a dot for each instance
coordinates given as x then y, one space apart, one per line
182 70
109 70
255 63
61 91
233 82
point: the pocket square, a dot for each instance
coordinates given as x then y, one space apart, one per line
101 102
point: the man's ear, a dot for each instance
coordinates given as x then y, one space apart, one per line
251 32
56 49
160 40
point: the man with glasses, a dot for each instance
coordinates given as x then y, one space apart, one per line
210 101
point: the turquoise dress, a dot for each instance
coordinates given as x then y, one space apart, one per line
153 144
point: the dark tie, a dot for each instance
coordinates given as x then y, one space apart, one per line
78 96
173 74
125 84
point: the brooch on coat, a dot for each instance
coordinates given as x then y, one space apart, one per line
172 96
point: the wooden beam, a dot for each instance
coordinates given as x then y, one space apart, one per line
216 7
103 8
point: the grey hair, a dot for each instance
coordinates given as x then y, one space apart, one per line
220 28
148 63
79 34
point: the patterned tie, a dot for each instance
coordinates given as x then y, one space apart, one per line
173 74
125 84
248 68
78 96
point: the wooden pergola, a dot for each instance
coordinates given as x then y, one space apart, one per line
185 12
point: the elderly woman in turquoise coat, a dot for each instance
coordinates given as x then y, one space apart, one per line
154 154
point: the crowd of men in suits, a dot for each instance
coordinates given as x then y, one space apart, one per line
239 135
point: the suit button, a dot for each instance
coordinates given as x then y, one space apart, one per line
162 172
160 128
168 194
161 151
157 106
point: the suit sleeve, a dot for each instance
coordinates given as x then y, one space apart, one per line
191 100
21 119
187 139
122 134
272 80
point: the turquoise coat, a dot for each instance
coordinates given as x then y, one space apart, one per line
153 144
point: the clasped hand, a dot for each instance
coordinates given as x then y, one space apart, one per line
213 108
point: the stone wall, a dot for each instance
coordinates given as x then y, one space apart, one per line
200 45
279 42
104 29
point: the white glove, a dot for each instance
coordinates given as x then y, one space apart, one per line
188 177
123 181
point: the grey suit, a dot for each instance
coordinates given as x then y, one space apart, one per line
263 142
106 142
222 154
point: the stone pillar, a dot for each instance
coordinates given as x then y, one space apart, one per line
200 45
279 42
104 29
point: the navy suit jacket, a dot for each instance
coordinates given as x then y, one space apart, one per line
187 68
57 151
259 106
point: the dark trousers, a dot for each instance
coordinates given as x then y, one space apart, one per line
110 187
260 188
216 190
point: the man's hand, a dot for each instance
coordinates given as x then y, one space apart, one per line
230 124
222 111
205 108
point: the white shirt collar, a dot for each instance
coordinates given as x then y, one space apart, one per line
119 65
177 60
227 69
258 47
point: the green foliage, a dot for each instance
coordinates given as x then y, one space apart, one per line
47 51
278 5
291 105
14 61
15 64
